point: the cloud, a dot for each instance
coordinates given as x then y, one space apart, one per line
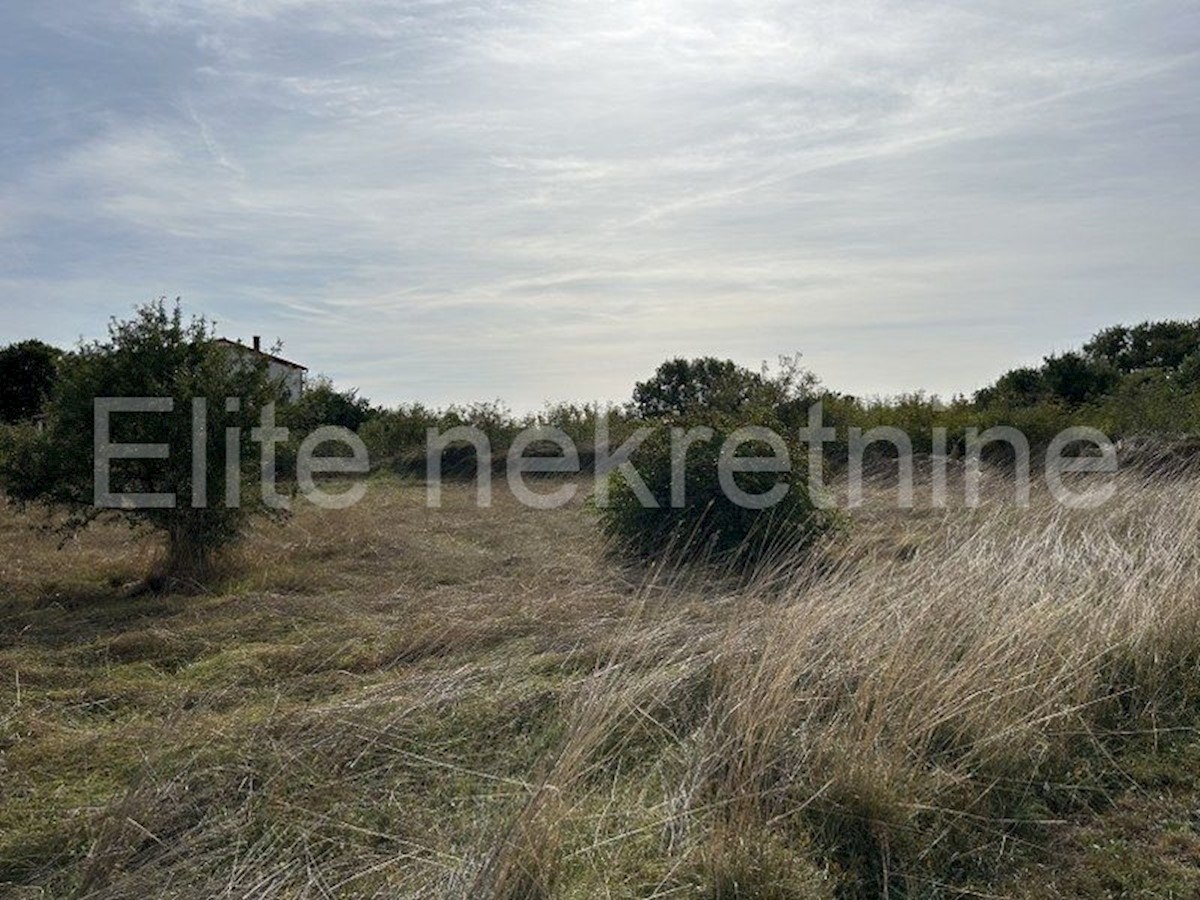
445 201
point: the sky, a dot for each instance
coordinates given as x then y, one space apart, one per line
451 201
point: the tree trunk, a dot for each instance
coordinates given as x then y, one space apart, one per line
188 558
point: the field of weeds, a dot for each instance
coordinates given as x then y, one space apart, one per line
395 701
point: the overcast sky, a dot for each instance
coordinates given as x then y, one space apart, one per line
447 201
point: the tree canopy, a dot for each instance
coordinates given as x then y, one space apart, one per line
1150 345
155 354
683 386
27 373
1170 348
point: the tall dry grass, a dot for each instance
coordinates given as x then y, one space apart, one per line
905 713
908 720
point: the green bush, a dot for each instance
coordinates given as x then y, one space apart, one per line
398 432
397 438
707 524
155 354
1149 402
13 439
322 405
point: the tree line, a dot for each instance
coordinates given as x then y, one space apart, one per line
1126 380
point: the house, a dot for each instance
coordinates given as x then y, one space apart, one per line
287 373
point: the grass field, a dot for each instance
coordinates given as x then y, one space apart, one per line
394 701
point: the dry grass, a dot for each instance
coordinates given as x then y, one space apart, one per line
395 701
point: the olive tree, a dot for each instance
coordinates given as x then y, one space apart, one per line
193 452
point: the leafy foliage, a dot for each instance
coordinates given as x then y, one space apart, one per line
1020 387
322 404
1070 378
155 354
1150 345
1075 378
1139 380
682 386
397 431
27 373
708 523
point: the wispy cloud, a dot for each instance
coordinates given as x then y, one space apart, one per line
445 200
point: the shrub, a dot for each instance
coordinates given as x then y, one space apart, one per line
322 404
492 417
1149 402
398 432
13 439
705 522
158 355
397 437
